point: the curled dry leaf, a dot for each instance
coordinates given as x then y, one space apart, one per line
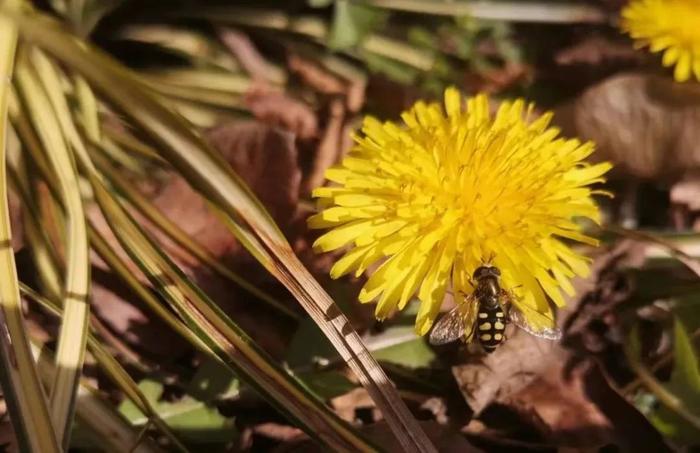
329 148
686 193
445 439
315 76
561 404
498 79
325 82
278 432
240 45
266 158
596 50
16 224
347 405
278 109
645 124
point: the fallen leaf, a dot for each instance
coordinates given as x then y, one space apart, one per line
597 50
266 158
571 419
248 56
328 150
315 76
644 124
445 439
687 192
278 432
347 405
278 109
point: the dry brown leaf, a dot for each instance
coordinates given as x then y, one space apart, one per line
240 45
278 109
443 437
315 76
346 405
328 150
324 81
561 403
266 158
497 79
279 432
508 370
687 192
16 224
596 50
645 124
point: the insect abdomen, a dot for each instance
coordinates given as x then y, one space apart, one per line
491 325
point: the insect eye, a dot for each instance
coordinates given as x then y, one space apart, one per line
496 271
479 272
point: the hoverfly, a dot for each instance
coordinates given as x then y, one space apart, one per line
486 312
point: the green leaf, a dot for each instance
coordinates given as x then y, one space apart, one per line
352 23
194 420
213 381
327 384
309 345
413 354
685 384
394 70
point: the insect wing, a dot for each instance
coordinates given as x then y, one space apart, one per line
448 328
451 326
534 322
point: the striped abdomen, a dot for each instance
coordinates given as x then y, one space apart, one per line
490 326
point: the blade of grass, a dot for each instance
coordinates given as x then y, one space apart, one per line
206 96
199 49
97 240
20 381
541 12
118 266
232 346
130 143
88 108
201 78
128 161
101 418
175 233
631 348
43 253
73 333
314 28
690 262
113 370
210 174
111 431
109 426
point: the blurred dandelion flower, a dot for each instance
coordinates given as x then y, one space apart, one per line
436 198
668 26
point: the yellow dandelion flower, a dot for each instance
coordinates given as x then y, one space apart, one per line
668 26
439 196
